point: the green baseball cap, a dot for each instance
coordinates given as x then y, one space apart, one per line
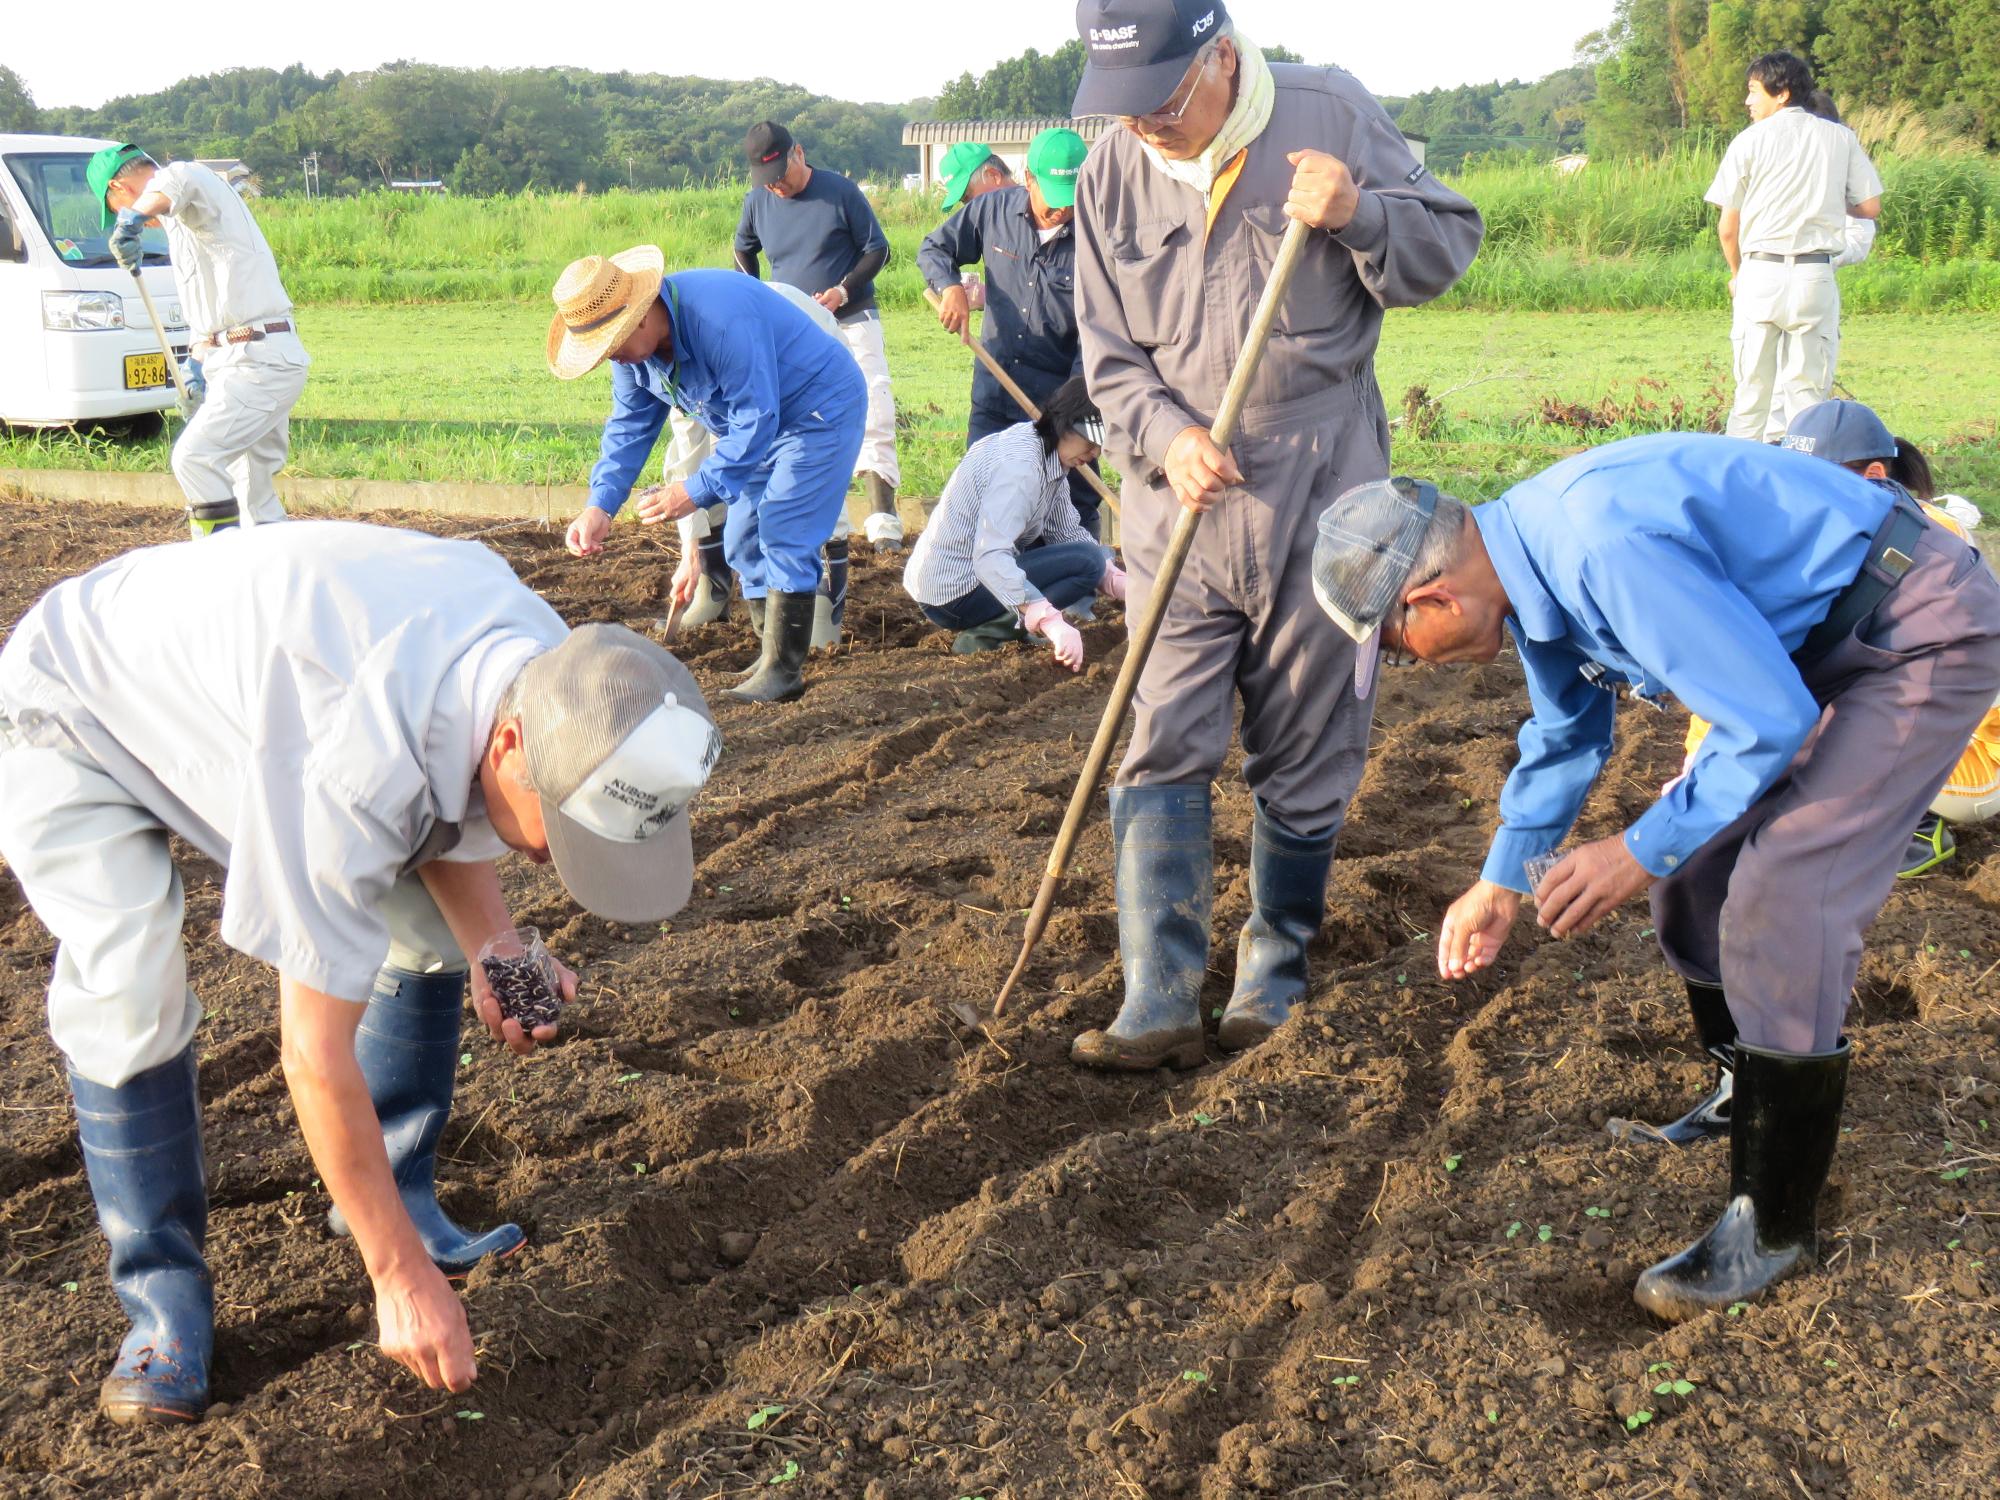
1053 159
961 163
106 165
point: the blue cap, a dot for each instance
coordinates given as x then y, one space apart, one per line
1842 432
1137 51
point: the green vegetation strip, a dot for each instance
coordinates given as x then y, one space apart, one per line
458 393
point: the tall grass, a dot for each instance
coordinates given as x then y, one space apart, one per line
1935 206
389 248
1617 235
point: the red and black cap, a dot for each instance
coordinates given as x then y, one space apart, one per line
1137 51
768 149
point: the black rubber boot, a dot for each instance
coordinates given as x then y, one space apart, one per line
1160 837
780 674
207 517
830 605
1781 1142
408 1050
142 1151
1287 900
1716 1029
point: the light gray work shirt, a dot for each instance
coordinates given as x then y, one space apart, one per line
1006 494
306 704
1793 177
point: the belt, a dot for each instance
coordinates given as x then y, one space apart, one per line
1813 258
1889 558
248 333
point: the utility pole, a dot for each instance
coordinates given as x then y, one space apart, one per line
310 164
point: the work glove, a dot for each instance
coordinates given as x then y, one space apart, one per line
197 389
126 246
1112 584
1046 620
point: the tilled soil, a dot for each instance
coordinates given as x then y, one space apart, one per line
793 1233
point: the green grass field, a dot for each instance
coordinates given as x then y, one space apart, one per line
458 391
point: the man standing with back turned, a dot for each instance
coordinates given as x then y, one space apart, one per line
1179 217
823 238
1785 188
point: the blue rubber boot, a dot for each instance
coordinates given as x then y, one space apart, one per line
1166 864
408 1050
1287 900
142 1149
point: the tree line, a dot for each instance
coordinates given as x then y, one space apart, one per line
1662 72
479 131
1667 68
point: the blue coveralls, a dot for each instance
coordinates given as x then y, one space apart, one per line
786 403
1030 325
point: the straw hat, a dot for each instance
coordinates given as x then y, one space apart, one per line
598 304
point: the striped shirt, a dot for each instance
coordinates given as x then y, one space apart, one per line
1005 494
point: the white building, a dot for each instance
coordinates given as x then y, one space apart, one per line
1008 139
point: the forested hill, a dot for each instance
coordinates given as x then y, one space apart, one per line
481 131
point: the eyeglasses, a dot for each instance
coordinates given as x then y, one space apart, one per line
1400 655
1167 114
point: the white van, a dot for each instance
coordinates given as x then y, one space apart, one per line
75 342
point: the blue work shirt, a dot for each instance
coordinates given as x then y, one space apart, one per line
1030 290
1681 565
746 364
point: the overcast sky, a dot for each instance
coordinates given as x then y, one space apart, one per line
851 49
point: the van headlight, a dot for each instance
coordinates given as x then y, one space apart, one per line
82 311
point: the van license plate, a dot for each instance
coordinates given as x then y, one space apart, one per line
144 371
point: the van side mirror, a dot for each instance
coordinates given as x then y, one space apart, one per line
12 247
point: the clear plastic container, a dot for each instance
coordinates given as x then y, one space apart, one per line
1539 866
524 977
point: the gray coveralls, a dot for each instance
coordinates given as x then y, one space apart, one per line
1164 301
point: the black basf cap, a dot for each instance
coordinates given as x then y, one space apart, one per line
1138 50
768 148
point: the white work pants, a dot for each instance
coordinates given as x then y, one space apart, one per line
1786 339
96 868
241 437
863 337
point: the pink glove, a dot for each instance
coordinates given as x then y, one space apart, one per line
1112 584
1045 619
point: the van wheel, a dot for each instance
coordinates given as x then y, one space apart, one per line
146 427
